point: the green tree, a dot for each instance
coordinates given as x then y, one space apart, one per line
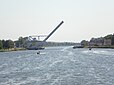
21 41
108 36
113 39
84 43
4 44
1 45
10 44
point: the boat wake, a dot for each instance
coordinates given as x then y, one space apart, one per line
96 52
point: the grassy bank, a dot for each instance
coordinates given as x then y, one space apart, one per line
12 49
112 47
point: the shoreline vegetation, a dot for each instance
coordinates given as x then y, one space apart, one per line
109 47
21 49
12 49
100 42
22 43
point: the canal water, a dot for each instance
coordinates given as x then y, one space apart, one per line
57 66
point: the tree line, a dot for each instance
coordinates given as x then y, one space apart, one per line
6 44
107 37
111 37
22 43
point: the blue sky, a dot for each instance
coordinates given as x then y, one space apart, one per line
83 19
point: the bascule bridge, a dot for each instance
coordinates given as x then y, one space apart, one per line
34 42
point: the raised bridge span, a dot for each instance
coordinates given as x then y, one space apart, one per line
37 45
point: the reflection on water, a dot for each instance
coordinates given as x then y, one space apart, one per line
57 66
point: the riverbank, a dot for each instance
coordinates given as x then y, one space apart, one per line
111 47
12 49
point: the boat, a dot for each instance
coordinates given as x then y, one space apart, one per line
38 52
